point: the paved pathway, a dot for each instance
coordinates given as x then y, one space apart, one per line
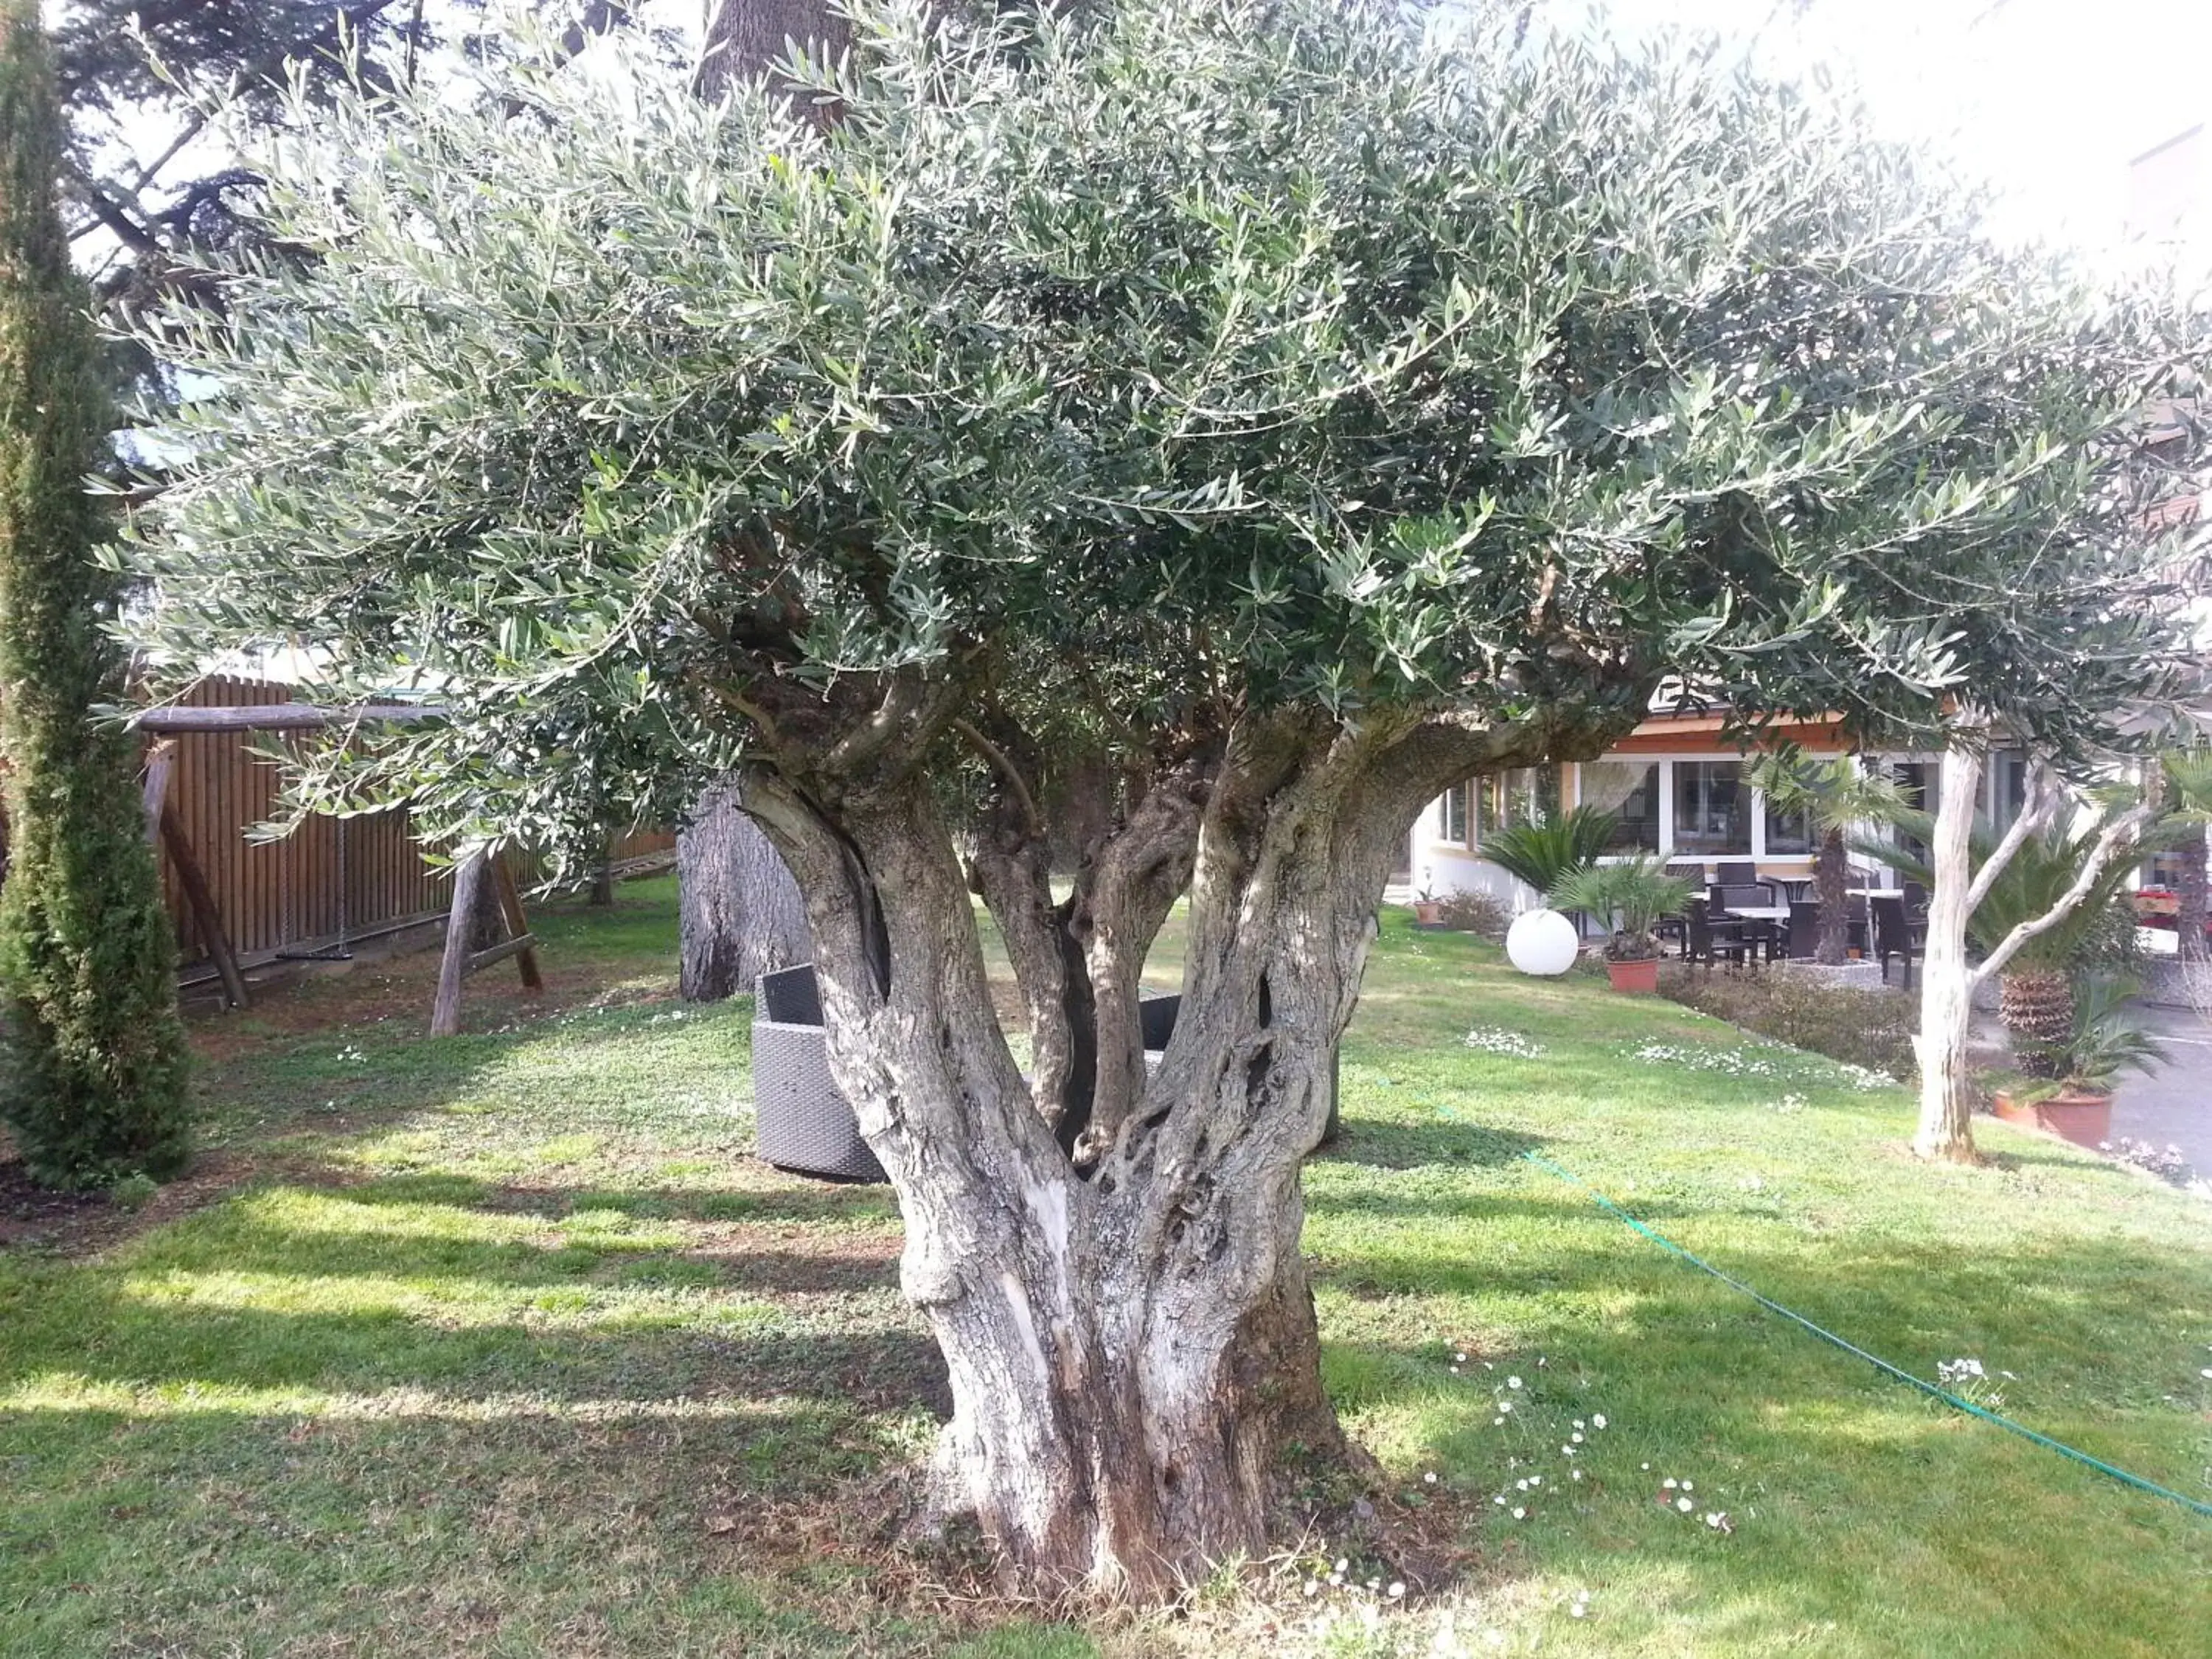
2173 1104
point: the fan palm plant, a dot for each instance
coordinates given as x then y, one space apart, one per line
1545 853
1633 895
2036 990
1835 796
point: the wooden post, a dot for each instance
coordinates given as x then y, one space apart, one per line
460 959
166 829
518 924
453 968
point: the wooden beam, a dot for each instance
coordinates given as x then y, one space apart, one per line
522 944
510 905
161 762
281 716
468 881
198 895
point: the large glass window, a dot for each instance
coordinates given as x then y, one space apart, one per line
1531 794
1712 808
1455 819
2008 787
1788 834
1630 792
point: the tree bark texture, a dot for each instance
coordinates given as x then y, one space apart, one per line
1127 1325
1831 877
739 915
1947 983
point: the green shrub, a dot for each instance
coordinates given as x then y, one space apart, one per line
1870 1028
1477 913
94 1087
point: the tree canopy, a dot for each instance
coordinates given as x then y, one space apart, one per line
1181 356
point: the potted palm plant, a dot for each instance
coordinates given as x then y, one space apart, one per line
2071 1095
2035 989
1635 894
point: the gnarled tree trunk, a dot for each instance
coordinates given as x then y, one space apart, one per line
1130 1334
740 911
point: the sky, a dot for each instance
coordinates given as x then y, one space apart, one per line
2050 99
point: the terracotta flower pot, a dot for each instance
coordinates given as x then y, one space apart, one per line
1640 975
2076 1114
1428 914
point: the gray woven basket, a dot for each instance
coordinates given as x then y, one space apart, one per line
803 1123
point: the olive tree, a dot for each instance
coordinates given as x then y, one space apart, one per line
1229 423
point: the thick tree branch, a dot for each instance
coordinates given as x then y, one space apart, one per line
2044 800
2119 833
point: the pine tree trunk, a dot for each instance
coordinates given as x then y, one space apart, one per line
740 913
1946 1130
1832 878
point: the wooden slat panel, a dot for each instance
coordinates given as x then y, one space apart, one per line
281 895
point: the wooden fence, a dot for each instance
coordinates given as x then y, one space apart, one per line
330 879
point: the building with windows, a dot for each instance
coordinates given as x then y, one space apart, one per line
1677 789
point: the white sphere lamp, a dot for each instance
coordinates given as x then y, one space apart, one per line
1542 943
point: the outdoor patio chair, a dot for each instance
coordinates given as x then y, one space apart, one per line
1803 938
1707 940
1736 873
1894 935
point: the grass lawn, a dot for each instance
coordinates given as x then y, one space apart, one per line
503 1345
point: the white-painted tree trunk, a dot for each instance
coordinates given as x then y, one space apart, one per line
1946 983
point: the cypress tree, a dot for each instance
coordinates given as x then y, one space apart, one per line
93 1086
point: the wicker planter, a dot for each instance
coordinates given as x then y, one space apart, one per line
803 1123
1638 974
2076 1114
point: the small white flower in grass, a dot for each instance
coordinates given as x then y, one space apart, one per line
1567 1451
1576 1438
1647 1466
1512 1381
1395 1590
1313 1587
1684 1505
1460 1357
1578 1422
1521 1485
1519 1514
1429 1478
1670 1483
1342 1565
1579 1474
1599 1419
1496 1422
1506 1405
1499 1500
1454 1371
1689 1485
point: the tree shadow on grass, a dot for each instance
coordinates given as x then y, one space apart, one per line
1459 1143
